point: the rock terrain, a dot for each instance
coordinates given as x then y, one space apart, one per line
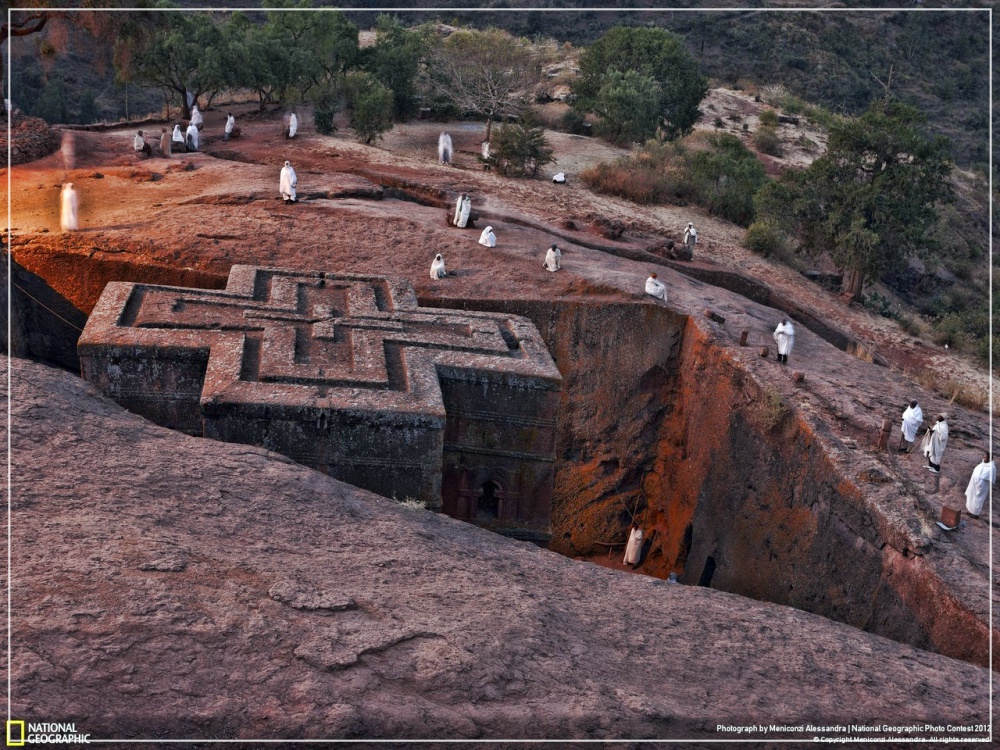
182 588
723 454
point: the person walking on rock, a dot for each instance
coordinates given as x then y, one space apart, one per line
291 125
287 183
913 417
68 218
444 148
983 476
935 441
656 288
690 236
784 337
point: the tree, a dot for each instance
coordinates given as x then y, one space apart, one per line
629 106
187 55
395 60
870 200
519 149
648 55
369 105
487 72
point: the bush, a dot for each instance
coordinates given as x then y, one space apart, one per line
325 105
369 106
762 238
950 330
767 141
573 121
718 122
768 118
518 150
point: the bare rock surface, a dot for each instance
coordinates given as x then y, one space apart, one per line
169 586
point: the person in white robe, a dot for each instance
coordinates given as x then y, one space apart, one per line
935 441
913 417
978 490
559 178
68 149
140 145
487 238
177 139
553 259
68 215
784 337
191 137
656 288
444 148
437 268
292 125
484 149
690 236
633 550
463 209
287 183
196 119
230 124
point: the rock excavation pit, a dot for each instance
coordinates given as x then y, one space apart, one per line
657 419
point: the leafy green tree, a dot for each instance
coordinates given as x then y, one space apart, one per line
870 200
649 54
629 106
187 54
395 60
369 105
488 72
519 149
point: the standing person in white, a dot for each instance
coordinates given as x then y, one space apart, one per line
230 124
979 486
487 238
913 417
68 218
655 288
287 183
935 442
444 148
690 236
191 137
196 119
437 268
553 259
633 550
462 211
293 125
784 337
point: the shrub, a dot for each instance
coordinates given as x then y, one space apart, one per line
325 103
369 106
518 150
718 122
768 118
767 141
762 238
573 122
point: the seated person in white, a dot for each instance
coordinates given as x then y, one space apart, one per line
655 288
487 238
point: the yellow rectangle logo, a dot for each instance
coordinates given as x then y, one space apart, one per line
15 733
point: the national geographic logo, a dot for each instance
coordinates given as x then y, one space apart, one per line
20 733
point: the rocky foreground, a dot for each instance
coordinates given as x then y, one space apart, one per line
172 587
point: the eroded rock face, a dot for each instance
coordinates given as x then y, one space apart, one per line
165 585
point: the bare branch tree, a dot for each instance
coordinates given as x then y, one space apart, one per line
488 72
